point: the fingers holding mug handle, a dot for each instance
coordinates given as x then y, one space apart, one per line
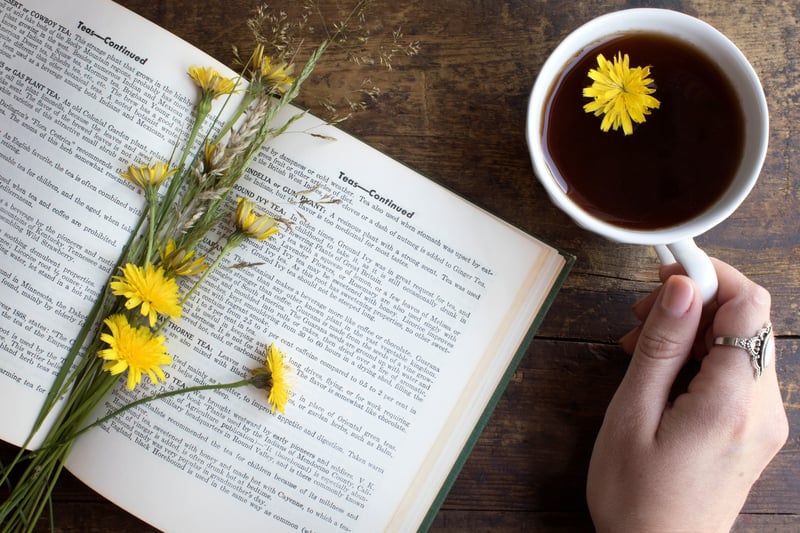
696 263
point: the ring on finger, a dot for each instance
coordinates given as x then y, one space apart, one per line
760 347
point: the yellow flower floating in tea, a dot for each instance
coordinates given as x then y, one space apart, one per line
620 93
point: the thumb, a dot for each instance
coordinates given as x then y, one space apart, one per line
662 349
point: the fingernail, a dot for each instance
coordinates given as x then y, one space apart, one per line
678 296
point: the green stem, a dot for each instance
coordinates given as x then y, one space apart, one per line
203 109
234 240
78 383
32 491
151 195
93 394
247 99
177 181
39 501
159 396
128 250
65 378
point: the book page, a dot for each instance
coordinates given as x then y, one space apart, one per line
400 308
76 111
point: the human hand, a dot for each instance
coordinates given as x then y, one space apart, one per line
687 464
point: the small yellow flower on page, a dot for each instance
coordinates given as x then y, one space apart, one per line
181 262
148 175
212 84
135 349
274 378
622 95
252 224
277 75
274 77
150 288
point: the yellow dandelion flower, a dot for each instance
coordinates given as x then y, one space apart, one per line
211 83
254 225
148 176
148 287
134 349
275 378
181 262
620 93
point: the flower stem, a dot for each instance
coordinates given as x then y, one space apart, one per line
203 109
247 99
234 240
152 208
18 511
180 178
161 395
31 492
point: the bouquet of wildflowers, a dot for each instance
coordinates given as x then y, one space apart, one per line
160 267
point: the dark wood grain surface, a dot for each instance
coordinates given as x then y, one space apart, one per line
457 113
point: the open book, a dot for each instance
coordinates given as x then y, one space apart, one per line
404 309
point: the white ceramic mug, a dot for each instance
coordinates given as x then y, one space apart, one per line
675 242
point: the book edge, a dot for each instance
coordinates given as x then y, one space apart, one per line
477 430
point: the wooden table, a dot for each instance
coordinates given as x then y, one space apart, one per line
457 114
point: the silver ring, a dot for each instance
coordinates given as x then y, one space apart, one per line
761 347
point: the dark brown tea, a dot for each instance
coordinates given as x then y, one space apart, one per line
675 164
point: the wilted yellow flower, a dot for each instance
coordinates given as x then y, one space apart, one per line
134 349
148 176
181 262
620 93
275 77
211 83
149 287
253 225
274 377
211 156
278 76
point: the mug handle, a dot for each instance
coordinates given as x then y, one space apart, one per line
696 263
